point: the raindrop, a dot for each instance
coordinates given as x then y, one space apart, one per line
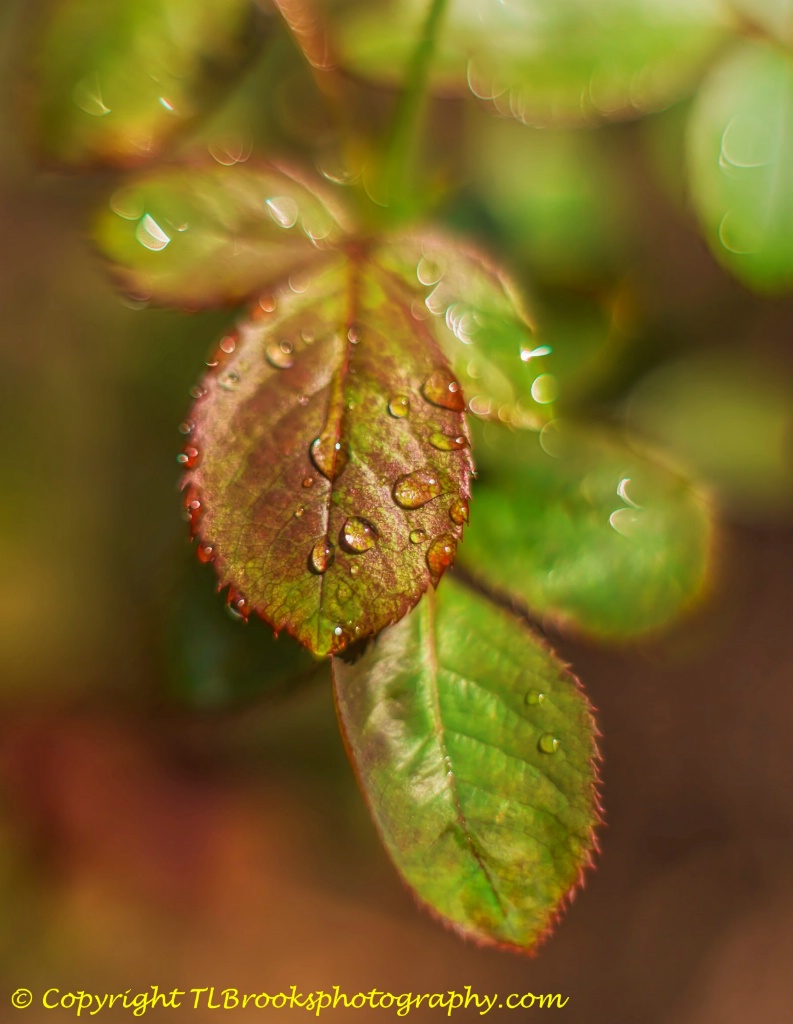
354 570
527 354
308 337
428 272
299 511
358 535
328 455
545 389
444 392
150 234
418 536
448 442
186 427
354 334
458 512
308 481
399 406
188 458
229 381
267 303
415 489
197 391
440 554
284 210
206 553
548 743
535 697
279 355
237 605
228 344
321 557
338 631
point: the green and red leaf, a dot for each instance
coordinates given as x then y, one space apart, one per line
475 749
328 459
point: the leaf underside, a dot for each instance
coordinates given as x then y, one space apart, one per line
328 460
476 752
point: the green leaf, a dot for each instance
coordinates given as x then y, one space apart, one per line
201 236
740 154
328 458
477 317
476 752
116 81
545 62
586 530
213 660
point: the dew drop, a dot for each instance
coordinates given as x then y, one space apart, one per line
188 458
237 605
206 553
535 697
353 570
284 210
328 455
399 406
415 489
428 272
229 381
321 557
418 536
308 481
197 391
338 631
358 535
458 511
308 337
299 511
150 234
186 427
448 442
228 344
440 554
548 743
279 355
439 389
267 303
354 334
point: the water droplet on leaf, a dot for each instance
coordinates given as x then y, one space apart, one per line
418 536
279 355
308 481
197 391
186 427
228 344
440 554
415 489
358 535
548 743
321 557
354 334
188 458
442 391
229 381
535 697
299 511
458 511
206 553
328 455
399 406
448 442
284 210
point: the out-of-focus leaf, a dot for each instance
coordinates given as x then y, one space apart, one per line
202 236
479 320
585 530
545 62
214 662
740 150
553 194
476 752
116 81
731 420
328 464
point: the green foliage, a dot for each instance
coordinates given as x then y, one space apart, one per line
740 152
475 749
327 458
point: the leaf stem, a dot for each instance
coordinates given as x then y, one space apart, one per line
402 137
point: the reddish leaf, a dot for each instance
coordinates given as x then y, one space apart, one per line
329 457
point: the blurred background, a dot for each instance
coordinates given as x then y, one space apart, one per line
176 807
